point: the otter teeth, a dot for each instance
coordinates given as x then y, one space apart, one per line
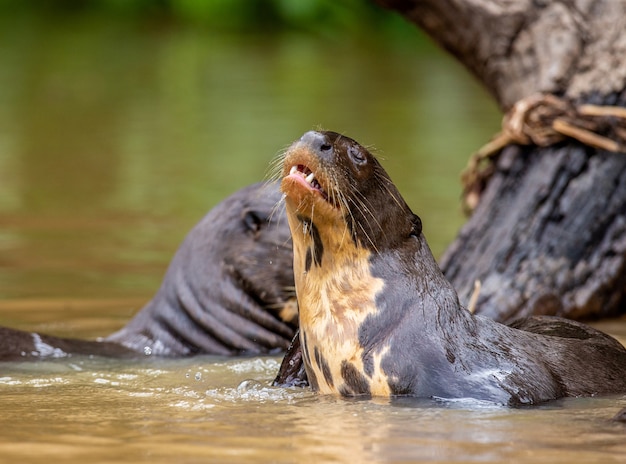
308 177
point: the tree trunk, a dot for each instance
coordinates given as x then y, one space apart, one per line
549 233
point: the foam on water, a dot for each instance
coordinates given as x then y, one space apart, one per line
257 365
255 391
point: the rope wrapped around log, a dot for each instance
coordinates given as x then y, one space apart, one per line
544 120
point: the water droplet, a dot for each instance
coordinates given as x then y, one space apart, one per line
198 376
248 385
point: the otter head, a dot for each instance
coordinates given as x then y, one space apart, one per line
331 180
342 210
253 247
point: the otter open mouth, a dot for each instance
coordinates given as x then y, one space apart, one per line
309 177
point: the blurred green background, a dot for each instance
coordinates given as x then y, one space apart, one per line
332 18
123 121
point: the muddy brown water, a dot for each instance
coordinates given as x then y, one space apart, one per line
115 140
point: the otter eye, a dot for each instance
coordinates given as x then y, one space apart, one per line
357 156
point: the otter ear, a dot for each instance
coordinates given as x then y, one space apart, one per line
416 227
253 220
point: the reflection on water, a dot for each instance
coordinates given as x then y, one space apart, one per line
115 140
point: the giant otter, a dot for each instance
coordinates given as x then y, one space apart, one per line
378 318
228 290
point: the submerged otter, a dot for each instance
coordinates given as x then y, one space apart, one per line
227 291
378 318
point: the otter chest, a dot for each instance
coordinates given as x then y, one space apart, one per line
333 307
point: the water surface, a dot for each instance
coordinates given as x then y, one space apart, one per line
222 410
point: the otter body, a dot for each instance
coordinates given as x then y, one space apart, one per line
227 291
378 318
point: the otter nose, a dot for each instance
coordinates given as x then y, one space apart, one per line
318 142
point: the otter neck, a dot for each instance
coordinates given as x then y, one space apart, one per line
430 292
336 293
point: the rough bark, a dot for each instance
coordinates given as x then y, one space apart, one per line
549 234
